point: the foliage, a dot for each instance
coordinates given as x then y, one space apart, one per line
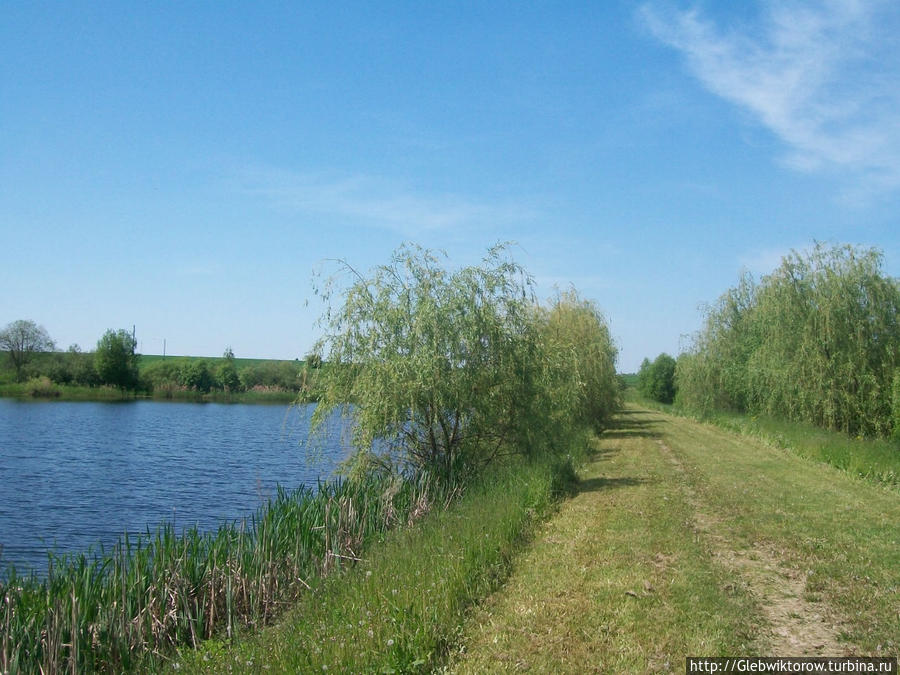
816 341
41 387
402 606
21 339
73 367
107 612
195 375
276 374
656 380
580 384
448 370
227 374
116 361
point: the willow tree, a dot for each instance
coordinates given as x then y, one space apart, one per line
437 367
579 358
832 340
818 341
713 374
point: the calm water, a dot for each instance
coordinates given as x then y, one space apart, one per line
75 474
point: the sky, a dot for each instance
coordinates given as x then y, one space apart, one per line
185 168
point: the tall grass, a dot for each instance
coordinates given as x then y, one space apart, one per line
401 608
112 610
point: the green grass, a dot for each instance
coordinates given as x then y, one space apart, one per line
401 607
872 459
147 359
687 539
616 582
131 606
840 532
62 392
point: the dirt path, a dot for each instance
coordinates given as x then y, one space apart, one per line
795 626
687 540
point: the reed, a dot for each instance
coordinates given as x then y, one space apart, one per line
401 608
112 610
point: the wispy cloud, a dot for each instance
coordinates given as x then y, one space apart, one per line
824 77
367 200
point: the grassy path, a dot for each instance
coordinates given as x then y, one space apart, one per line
689 540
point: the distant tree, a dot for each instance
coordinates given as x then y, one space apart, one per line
116 361
81 367
196 375
656 380
228 375
21 339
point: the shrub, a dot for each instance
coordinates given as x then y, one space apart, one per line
41 387
657 380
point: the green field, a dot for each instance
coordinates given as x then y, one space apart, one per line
147 359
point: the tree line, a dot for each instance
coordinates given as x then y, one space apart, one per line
31 356
816 341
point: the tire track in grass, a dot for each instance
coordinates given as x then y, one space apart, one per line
796 627
616 581
836 534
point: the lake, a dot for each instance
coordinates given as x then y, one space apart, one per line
74 474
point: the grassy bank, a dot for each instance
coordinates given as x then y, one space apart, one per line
400 608
45 390
873 459
133 606
687 539
115 610
72 377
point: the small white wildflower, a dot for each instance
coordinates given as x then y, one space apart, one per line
391 642
371 633
394 592
368 573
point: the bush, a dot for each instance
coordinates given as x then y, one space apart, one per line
41 387
656 380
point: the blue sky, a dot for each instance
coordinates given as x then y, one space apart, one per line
184 167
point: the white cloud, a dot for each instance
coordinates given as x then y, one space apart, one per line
824 77
367 200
